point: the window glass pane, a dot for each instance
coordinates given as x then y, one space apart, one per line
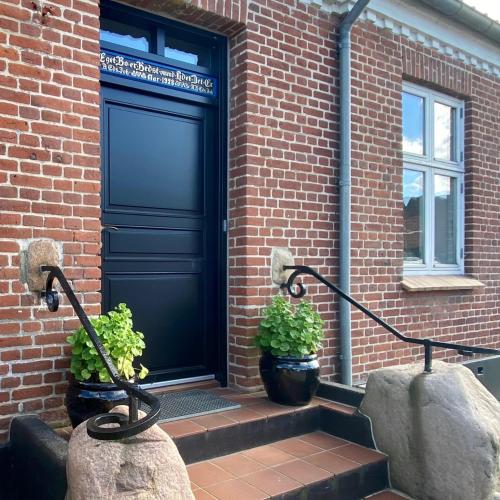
413 124
413 216
444 128
187 52
445 220
123 34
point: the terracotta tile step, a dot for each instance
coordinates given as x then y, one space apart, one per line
312 465
227 432
260 421
254 407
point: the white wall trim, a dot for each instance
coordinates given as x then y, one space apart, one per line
416 22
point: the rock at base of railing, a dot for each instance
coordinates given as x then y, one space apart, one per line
146 467
441 431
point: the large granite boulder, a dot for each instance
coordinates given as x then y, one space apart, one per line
144 467
441 431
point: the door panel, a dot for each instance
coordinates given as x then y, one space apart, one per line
139 243
162 153
173 321
160 246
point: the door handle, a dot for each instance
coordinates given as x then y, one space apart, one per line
114 228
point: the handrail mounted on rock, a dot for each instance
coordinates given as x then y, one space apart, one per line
428 344
98 426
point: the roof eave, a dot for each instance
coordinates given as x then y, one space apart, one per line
464 14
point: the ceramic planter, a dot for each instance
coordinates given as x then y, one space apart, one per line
289 380
86 399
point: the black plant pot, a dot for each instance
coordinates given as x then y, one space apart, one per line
86 399
289 380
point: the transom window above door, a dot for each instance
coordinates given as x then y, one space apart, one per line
433 207
165 39
123 34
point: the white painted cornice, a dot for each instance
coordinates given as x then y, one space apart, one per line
413 20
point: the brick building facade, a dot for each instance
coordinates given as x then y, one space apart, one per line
282 179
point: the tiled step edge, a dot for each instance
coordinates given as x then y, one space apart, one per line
370 476
341 393
196 442
314 466
352 485
203 444
352 426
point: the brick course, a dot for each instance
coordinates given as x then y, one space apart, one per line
282 160
381 62
49 188
282 181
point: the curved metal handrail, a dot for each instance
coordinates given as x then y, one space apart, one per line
127 427
427 343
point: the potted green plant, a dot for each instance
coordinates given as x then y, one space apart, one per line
91 390
289 338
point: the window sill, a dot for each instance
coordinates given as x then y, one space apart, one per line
438 283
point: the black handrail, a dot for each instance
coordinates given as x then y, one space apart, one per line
126 427
427 343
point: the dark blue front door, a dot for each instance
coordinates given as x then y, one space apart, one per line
160 217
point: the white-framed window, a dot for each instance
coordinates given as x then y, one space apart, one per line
433 182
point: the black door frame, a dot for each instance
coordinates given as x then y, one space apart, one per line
218 68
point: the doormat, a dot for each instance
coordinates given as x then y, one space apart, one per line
178 405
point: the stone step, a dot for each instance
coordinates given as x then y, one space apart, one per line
312 465
266 450
260 421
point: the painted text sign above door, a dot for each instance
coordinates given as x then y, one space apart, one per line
157 73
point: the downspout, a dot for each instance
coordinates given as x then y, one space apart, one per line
345 187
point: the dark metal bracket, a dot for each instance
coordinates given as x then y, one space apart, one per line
428 344
124 427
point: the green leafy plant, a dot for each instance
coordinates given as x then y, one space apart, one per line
115 330
288 331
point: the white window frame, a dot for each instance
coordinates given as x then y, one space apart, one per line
430 166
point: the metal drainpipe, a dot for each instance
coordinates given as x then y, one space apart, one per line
345 187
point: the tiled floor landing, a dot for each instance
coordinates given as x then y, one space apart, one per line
279 468
274 470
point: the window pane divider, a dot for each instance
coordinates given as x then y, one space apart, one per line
159 42
431 167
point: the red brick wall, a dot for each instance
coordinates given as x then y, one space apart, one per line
49 188
381 62
282 145
283 140
282 181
